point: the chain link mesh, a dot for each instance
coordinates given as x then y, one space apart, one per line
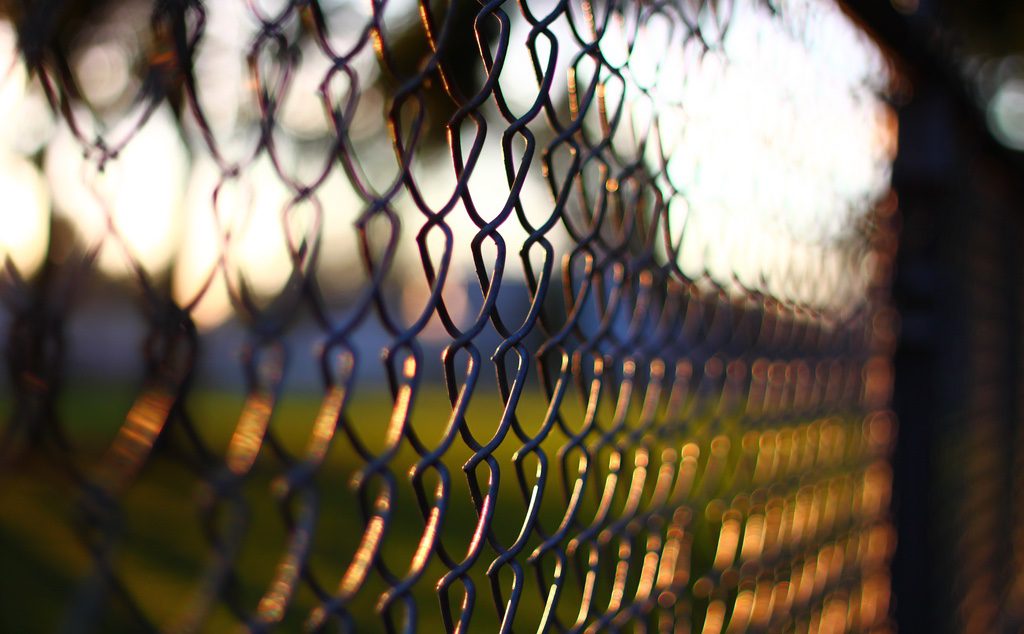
436 345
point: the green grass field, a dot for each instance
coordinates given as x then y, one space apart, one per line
162 552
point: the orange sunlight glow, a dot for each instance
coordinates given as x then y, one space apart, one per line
130 209
24 216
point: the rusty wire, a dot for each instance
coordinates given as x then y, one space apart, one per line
704 455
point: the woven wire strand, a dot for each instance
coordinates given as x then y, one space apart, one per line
668 454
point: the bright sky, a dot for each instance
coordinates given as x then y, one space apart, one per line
777 144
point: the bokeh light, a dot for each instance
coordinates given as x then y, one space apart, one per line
1006 113
795 150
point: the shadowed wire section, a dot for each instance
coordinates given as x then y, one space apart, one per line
400 315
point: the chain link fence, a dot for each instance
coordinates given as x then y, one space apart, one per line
423 316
